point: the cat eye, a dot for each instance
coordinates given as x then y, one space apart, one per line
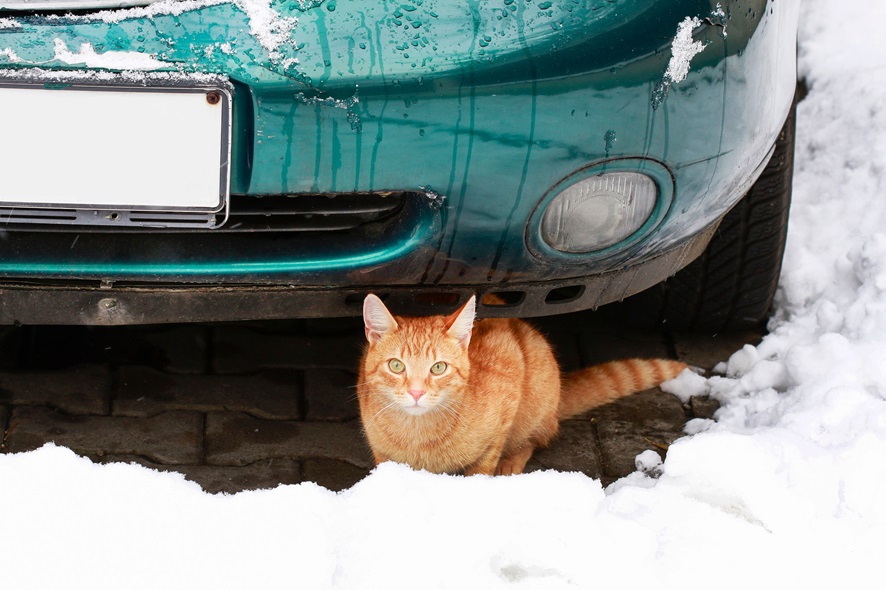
396 365
438 368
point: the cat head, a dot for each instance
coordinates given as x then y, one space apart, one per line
416 364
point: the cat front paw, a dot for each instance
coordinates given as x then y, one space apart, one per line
514 464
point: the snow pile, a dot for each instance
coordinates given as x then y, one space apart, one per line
819 379
80 525
786 488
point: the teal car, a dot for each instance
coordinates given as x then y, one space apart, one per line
210 160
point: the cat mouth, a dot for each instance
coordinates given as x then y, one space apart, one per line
415 409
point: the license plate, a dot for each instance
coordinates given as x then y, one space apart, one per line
114 155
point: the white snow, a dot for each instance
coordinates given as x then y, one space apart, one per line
268 26
135 77
164 7
9 23
112 60
686 385
786 488
9 55
683 49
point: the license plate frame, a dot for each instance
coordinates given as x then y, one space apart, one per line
123 155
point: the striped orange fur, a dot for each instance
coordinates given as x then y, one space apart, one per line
447 395
598 385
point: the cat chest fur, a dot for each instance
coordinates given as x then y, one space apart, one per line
450 441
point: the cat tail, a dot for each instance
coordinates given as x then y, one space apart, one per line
598 385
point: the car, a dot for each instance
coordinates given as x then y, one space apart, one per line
215 160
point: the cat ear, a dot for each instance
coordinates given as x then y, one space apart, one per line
377 319
460 324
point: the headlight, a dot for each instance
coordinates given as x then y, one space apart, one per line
598 211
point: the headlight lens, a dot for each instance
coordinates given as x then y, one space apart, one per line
598 212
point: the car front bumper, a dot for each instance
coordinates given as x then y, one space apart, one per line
475 109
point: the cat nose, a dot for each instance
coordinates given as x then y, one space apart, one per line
416 393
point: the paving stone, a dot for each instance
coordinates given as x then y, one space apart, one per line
621 442
574 449
178 349
648 410
214 479
263 364
703 407
234 438
331 395
170 438
331 474
144 391
705 351
650 420
81 390
261 475
240 350
534 465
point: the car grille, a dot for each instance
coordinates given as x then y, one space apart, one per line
262 237
276 213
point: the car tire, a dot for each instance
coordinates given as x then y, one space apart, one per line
732 284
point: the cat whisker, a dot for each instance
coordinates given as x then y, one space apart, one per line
450 407
390 405
449 412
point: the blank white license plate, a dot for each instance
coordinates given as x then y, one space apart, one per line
114 148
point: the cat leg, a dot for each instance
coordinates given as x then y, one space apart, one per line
514 463
488 461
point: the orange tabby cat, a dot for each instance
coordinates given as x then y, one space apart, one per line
443 394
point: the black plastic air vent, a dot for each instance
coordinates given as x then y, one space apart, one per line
310 213
276 213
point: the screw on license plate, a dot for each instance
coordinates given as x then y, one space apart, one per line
213 97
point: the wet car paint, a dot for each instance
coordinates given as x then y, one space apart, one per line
489 104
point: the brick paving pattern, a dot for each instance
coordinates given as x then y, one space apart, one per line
257 404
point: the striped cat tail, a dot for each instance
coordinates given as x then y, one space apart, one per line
595 386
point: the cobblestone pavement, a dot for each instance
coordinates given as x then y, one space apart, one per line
252 405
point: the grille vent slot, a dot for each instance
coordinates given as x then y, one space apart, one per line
307 213
339 212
